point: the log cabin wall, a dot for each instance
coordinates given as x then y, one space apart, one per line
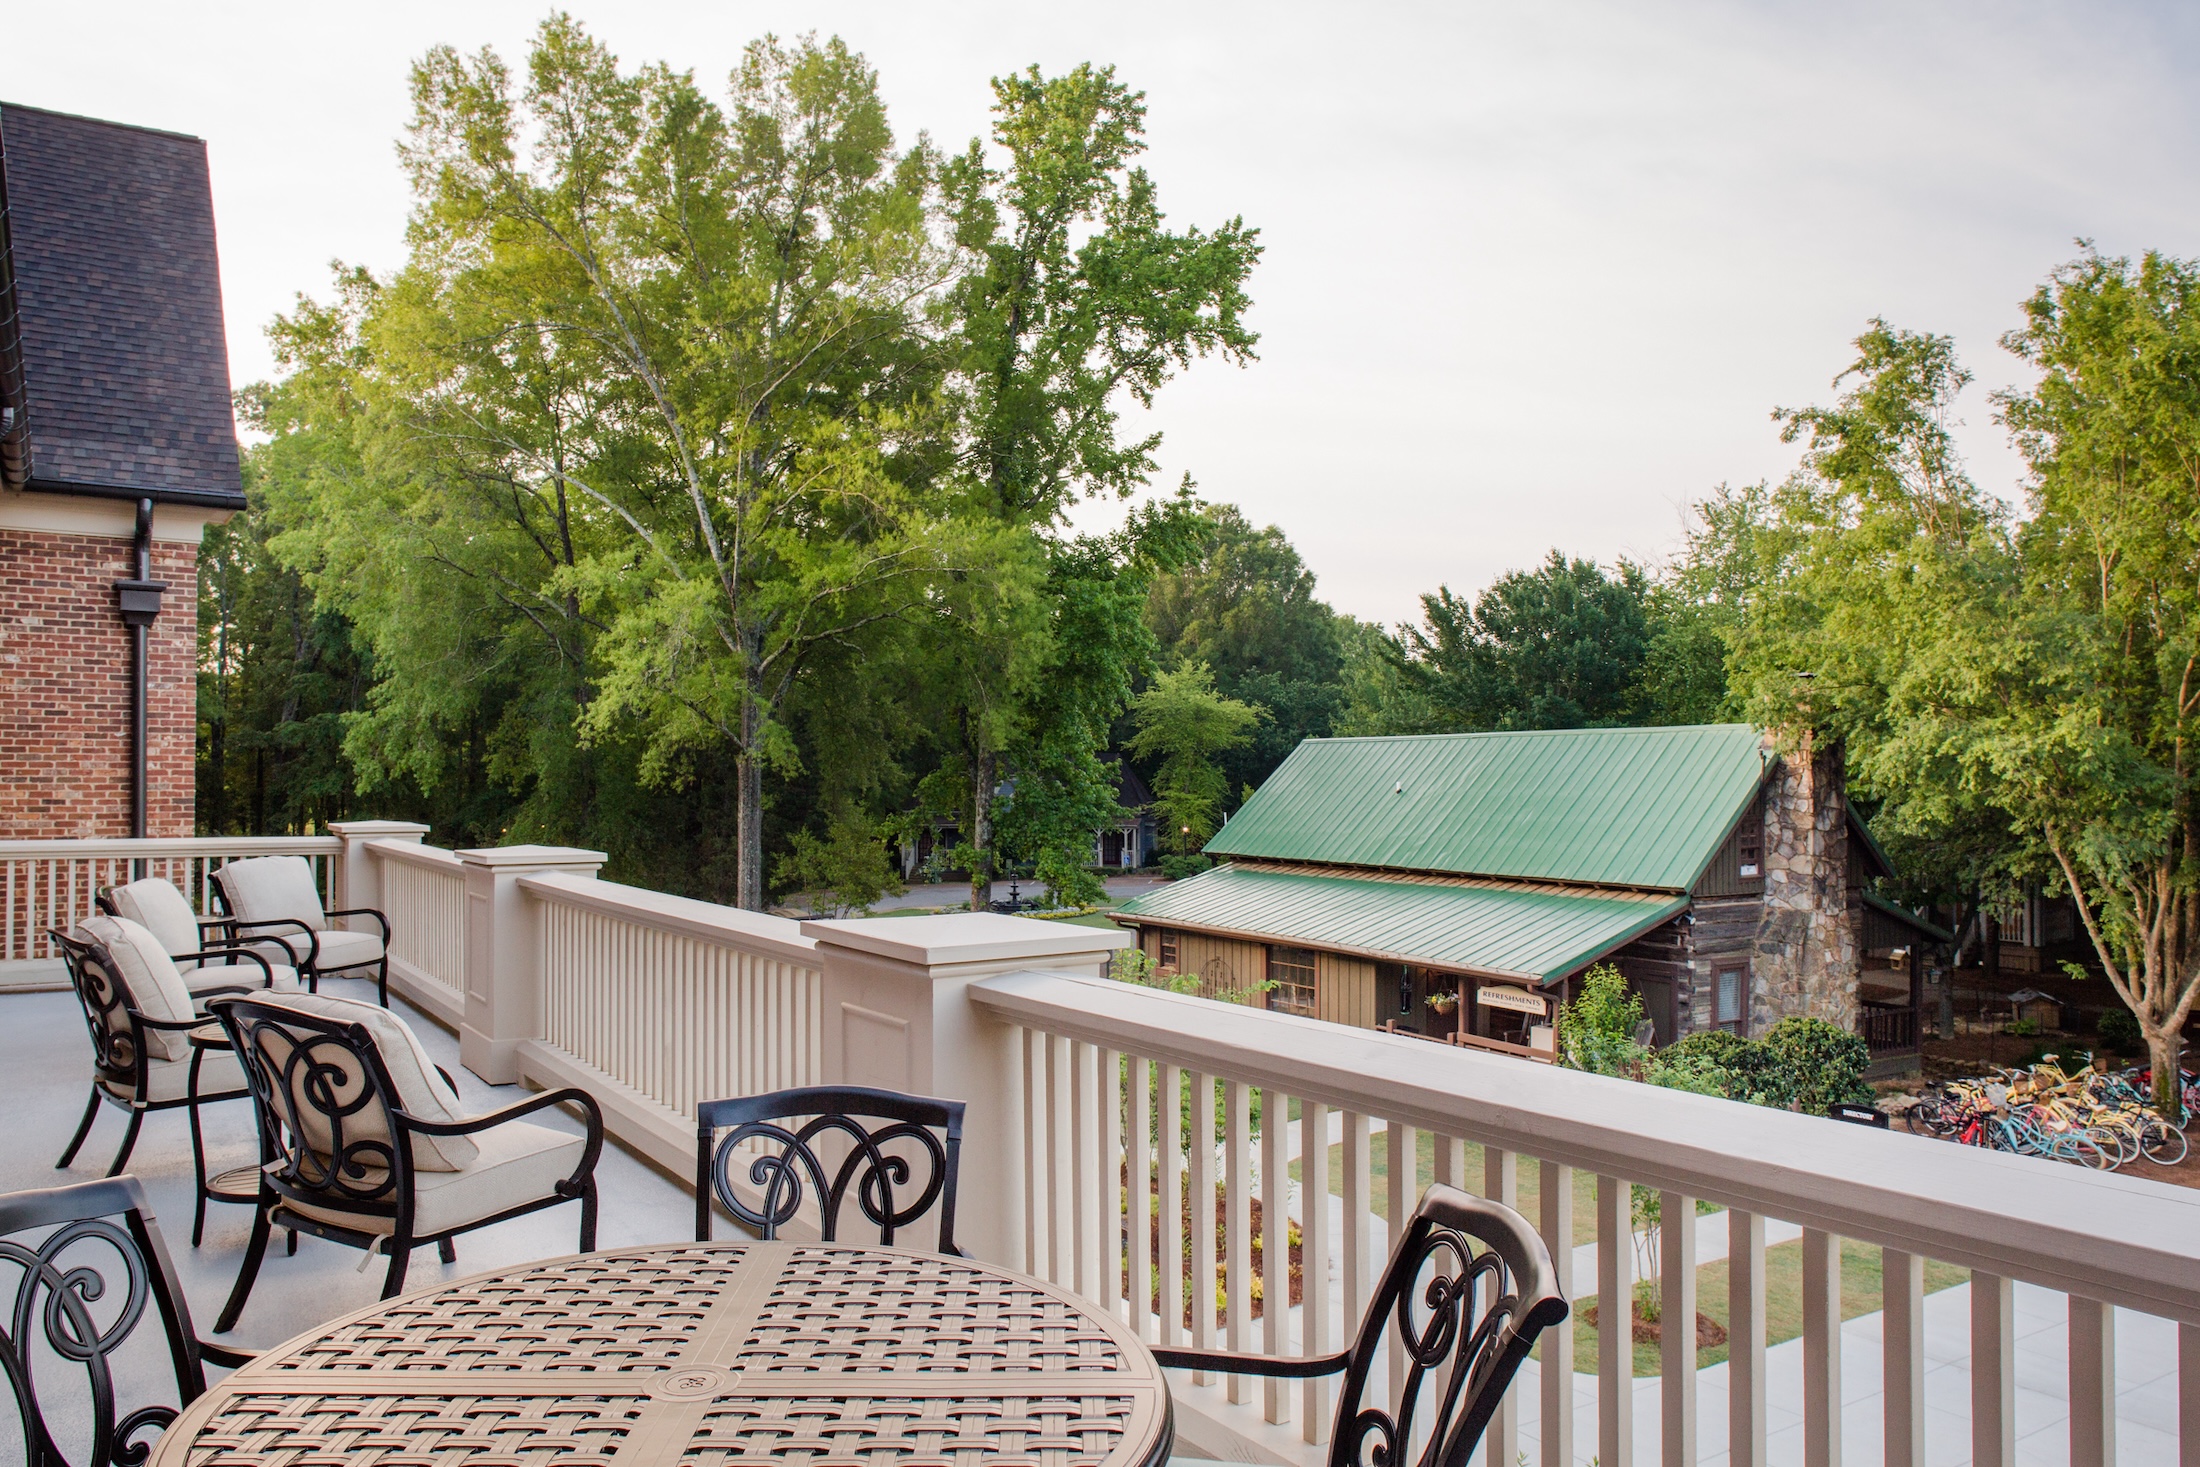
1344 989
1344 986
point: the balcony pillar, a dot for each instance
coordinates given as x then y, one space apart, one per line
503 957
897 1016
357 880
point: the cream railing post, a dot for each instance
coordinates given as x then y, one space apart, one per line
503 965
896 1017
358 879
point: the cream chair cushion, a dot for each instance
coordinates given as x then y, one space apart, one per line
341 949
156 988
160 909
519 1163
170 1079
216 979
273 888
421 1092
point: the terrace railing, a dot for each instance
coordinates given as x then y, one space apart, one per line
51 883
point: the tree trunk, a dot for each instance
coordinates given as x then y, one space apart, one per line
984 771
748 817
2163 1053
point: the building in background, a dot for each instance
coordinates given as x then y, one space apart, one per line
117 448
1457 886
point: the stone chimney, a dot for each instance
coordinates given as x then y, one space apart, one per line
1804 958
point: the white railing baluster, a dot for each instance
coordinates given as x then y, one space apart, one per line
1038 1223
1745 1347
1316 1238
1202 1189
1615 1324
1237 1234
2092 1383
1993 1371
1275 1245
1902 1368
1169 1120
1062 1176
1677 1328
1402 1154
1109 1092
1555 1185
1085 1119
1821 1349
1501 1184
1140 1191
1017 1171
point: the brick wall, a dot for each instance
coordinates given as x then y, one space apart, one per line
65 688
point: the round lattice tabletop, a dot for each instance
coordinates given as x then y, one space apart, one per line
697 1355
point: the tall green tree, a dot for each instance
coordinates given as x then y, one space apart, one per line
1072 297
668 358
1245 607
1561 646
1183 725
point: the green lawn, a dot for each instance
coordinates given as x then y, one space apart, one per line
1860 1294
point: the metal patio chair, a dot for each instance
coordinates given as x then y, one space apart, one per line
1468 1288
368 1146
80 1288
274 897
879 1163
203 949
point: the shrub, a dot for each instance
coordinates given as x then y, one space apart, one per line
2024 1028
1819 1062
1596 1032
1177 866
2120 1029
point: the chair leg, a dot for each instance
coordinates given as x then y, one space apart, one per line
293 1242
588 1216
382 980
249 1270
83 1129
393 1283
198 1168
129 1142
447 1251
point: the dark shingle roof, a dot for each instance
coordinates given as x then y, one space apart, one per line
117 311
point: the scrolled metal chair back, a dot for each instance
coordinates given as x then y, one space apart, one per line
1468 1289
75 1295
107 1004
324 1102
825 1144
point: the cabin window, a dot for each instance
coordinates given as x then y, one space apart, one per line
1727 996
1291 970
1751 866
1167 955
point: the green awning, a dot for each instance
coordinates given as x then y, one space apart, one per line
1502 930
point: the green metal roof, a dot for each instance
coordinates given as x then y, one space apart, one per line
1636 807
1906 916
1507 932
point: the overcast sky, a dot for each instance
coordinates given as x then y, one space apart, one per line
1535 274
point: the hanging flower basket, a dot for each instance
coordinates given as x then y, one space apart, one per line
1443 1003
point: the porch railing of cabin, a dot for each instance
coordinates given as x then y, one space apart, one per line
1097 1064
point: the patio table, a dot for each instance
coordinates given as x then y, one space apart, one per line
700 1354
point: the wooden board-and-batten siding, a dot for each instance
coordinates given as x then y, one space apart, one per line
1344 987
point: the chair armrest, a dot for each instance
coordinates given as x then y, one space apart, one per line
1230 1362
267 969
591 1117
180 1025
313 941
591 1114
380 920
223 1356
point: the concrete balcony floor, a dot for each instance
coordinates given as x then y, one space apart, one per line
45 1067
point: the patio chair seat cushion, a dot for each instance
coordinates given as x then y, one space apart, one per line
157 989
160 909
205 978
268 888
421 1092
341 949
170 1079
518 1163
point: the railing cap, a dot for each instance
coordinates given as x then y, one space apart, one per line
356 829
539 857
952 938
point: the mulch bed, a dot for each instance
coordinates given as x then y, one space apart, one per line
1259 1248
1709 1332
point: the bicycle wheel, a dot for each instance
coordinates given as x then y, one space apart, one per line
2163 1144
2110 1143
2085 1152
